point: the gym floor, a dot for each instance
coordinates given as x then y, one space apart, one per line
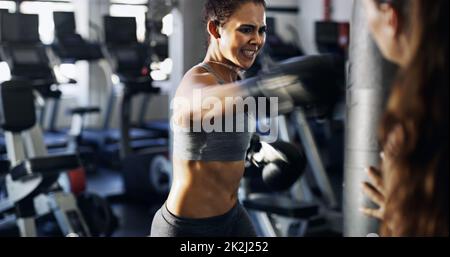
135 218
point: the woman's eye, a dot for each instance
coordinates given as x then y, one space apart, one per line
246 30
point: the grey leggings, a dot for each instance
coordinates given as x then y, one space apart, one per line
234 223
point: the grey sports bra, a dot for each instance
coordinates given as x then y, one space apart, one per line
213 146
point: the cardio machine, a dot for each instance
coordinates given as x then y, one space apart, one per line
143 151
33 181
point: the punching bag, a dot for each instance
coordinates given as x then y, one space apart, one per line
369 79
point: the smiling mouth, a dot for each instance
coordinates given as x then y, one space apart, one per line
250 54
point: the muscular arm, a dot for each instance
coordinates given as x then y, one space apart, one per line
200 96
311 80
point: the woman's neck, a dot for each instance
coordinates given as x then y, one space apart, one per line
221 65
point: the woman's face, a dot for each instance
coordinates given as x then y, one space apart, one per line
243 35
383 24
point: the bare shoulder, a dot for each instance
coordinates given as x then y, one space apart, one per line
196 77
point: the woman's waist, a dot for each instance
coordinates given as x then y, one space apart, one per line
221 172
216 177
204 188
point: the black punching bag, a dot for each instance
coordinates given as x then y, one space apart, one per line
369 79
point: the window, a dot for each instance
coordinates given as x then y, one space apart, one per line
126 10
45 11
167 28
5 73
8 5
131 2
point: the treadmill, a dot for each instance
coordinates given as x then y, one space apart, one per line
27 59
128 61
